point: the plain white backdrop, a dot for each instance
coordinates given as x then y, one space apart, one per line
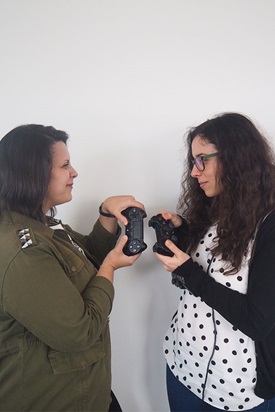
126 79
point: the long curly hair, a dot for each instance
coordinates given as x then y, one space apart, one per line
246 166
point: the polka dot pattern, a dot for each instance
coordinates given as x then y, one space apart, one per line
211 357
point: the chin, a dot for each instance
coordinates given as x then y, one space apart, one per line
210 194
213 194
68 200
63 201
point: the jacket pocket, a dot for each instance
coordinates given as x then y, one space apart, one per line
74 263
66 362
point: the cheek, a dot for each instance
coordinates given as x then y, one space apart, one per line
216 171
218 182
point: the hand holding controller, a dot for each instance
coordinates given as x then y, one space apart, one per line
164 230
134 231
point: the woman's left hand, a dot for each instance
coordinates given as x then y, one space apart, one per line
172 263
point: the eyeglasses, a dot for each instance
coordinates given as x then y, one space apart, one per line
199 161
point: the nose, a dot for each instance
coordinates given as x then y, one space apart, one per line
195 172
73 172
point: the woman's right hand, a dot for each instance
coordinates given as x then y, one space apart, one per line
175 219
116 259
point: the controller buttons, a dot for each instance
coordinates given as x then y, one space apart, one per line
134 246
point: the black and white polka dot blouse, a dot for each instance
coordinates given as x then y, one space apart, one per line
212 358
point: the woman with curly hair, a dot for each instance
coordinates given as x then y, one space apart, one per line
219 348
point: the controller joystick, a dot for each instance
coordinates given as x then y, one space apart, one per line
164 230
134 231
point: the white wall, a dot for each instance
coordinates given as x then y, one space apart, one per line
126 78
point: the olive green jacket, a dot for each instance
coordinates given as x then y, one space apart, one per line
54 333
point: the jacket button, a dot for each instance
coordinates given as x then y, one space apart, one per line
73 269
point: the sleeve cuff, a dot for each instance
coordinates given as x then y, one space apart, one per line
194 276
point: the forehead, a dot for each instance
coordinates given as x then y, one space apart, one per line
200 146
59 152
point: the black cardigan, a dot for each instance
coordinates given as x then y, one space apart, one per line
252 313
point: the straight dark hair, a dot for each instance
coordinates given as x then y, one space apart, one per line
247 175
25 168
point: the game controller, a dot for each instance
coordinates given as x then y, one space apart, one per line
164 230
134 231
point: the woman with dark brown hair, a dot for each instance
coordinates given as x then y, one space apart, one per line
56 285
219 349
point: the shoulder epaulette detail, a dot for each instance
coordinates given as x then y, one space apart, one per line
24 237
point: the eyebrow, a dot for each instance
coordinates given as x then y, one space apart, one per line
65 162
198 155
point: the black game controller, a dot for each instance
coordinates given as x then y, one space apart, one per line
134 231
164 230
